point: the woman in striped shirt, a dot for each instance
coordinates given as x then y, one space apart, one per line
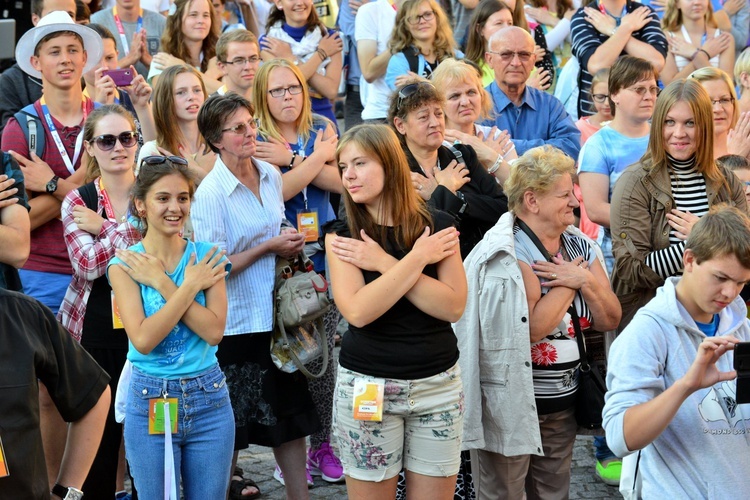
656 201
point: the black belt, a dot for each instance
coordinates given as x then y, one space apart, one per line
352 88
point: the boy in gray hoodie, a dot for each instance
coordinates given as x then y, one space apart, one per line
670 373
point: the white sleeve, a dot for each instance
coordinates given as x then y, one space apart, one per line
558 34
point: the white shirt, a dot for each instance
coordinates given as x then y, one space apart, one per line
227 213
375 21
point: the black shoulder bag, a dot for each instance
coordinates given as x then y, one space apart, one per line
591 386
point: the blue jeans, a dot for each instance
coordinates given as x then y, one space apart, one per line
601 449
203 444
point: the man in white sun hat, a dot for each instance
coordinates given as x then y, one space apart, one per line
58 51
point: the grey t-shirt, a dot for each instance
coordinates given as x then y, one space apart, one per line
153 22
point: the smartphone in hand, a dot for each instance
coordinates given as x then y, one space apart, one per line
742 365
122 77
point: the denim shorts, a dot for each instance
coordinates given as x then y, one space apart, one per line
420 431
203 444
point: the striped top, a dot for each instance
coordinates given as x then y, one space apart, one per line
227 213
689 193
586 39
555 358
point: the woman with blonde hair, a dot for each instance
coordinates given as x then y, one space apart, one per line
397 278
522 374
421 40
294 32
178 96
467 103
660 198
742 77
302 145
190 38
731 130
694 40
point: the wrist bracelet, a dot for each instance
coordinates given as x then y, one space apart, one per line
322 54
705 52
692 58
496 165
294 156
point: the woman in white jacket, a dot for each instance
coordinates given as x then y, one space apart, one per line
516 336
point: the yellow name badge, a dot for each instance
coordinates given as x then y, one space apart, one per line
368 399
307 224
4 472
116 319
156 415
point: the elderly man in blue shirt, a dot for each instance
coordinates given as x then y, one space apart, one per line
531 116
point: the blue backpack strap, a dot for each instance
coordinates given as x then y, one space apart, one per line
32 128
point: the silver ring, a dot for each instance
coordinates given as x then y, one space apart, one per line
553 276
419 187
78 220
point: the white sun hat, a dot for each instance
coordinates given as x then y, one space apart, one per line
52 23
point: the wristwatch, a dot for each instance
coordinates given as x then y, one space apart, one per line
51 186
67 492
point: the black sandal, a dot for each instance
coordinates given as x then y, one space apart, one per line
237 485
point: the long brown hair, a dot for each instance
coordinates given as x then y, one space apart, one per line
313 21
693 93
173 40
476 44
563 6
399 200
168 132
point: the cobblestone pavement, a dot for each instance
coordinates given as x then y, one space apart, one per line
259 464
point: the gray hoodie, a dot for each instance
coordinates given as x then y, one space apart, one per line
705 450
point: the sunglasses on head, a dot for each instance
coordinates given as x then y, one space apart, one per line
158 160
107 142
410 90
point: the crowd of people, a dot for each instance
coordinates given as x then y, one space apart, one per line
503 178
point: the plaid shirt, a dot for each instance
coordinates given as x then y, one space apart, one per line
89 256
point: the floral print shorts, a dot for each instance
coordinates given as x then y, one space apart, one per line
420 431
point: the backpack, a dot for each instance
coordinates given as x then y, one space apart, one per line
32 128
89 196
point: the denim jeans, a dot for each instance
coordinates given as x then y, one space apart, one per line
601 449
202 446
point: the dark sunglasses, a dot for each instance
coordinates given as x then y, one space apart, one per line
410 90
107 142
158 160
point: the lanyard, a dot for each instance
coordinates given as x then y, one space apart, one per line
617 19
393 4
58 142
108 207
301 149
121 29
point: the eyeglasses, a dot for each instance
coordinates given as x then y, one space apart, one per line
158 160
427 16
241 128
409 90
107 142
241 61
641 91
292 89
724 101
507 56
600 98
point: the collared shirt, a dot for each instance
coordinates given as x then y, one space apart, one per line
89 256
540 119
227 213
